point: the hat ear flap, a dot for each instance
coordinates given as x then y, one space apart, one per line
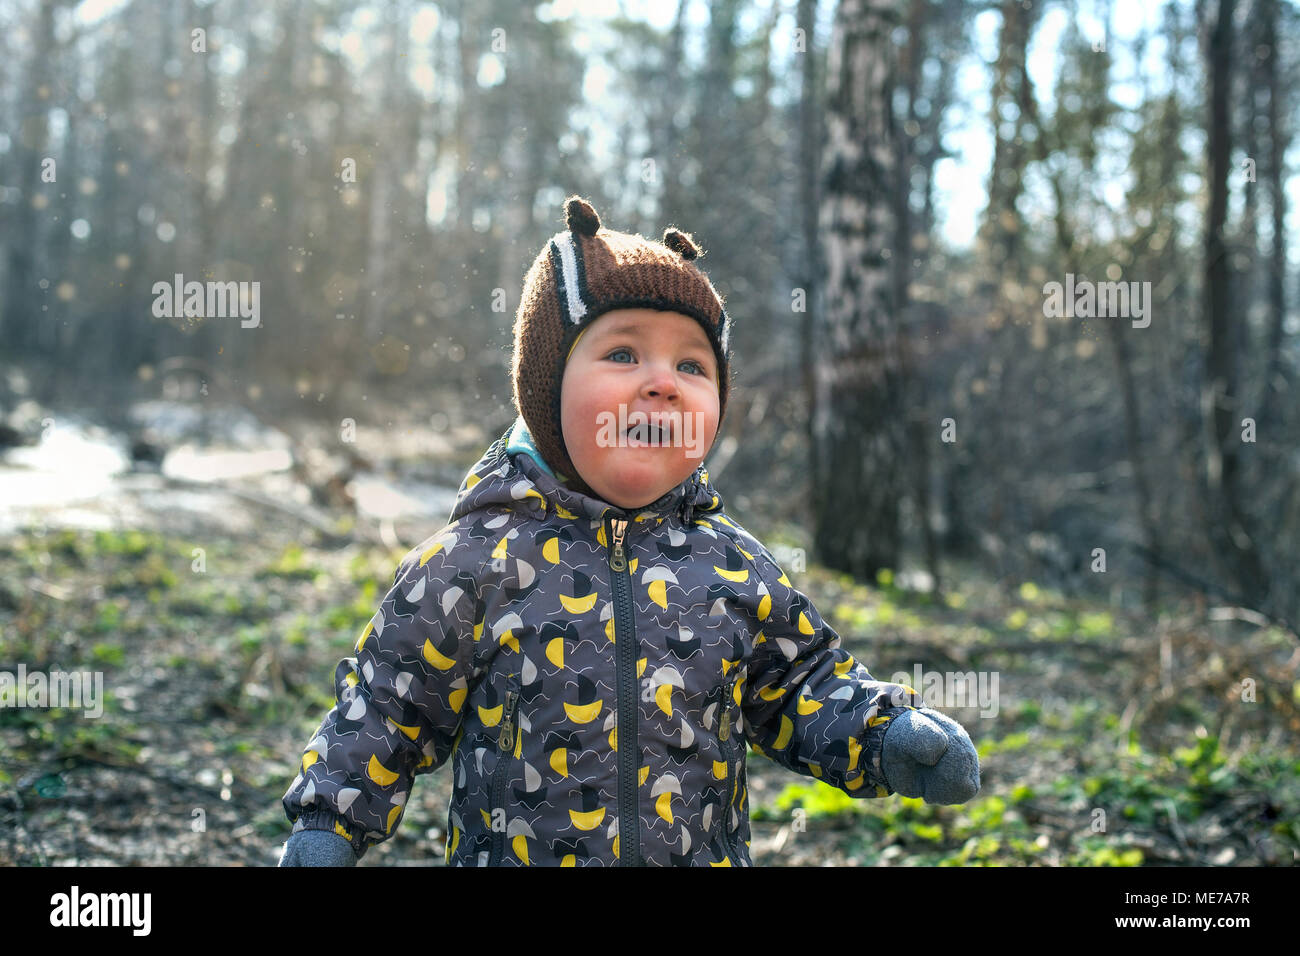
681 243
580 216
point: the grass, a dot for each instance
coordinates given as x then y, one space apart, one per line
1095 771
217 656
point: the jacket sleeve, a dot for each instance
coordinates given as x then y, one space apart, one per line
807 703
399 699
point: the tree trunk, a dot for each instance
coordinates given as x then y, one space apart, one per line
858 426
999 247
32 140
1229 529
1276 379
912 387
809 162
466 127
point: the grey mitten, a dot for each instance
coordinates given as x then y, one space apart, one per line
929 755
318 848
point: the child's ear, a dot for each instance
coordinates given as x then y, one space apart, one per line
580 216
681 243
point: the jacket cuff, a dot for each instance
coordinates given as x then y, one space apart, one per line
325 819
873 746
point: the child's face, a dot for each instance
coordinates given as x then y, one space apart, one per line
631 367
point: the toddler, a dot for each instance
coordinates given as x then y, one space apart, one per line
591 640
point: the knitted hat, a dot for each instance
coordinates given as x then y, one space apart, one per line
580 275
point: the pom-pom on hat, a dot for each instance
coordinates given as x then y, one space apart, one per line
582 273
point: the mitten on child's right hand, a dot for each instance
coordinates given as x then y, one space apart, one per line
318 848
929 755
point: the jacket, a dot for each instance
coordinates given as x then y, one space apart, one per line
595 676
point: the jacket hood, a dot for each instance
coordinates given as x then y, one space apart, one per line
508 476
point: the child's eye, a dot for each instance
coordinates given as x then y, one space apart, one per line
699 368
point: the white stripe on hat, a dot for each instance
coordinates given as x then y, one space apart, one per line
577 308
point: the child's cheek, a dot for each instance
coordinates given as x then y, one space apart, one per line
591 409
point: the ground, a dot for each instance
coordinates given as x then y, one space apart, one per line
1116 740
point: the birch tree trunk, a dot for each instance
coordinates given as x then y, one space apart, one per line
858 427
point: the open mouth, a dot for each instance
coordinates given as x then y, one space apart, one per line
649 434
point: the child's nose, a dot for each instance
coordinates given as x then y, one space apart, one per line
660 381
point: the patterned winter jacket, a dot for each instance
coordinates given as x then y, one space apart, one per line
595 677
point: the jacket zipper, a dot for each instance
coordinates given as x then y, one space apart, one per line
629 810
724 736
505 746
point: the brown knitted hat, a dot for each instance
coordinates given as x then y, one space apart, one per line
580 275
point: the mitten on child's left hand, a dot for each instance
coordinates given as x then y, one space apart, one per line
929 755
317 848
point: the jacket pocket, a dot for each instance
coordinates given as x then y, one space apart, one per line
507 734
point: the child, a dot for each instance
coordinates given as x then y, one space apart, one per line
592 640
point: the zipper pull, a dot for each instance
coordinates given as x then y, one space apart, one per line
617 558
724 722
506 740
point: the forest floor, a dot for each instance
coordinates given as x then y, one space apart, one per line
1107 740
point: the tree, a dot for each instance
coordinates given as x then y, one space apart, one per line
1231 528
858 426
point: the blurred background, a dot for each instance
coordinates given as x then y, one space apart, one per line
1101 503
